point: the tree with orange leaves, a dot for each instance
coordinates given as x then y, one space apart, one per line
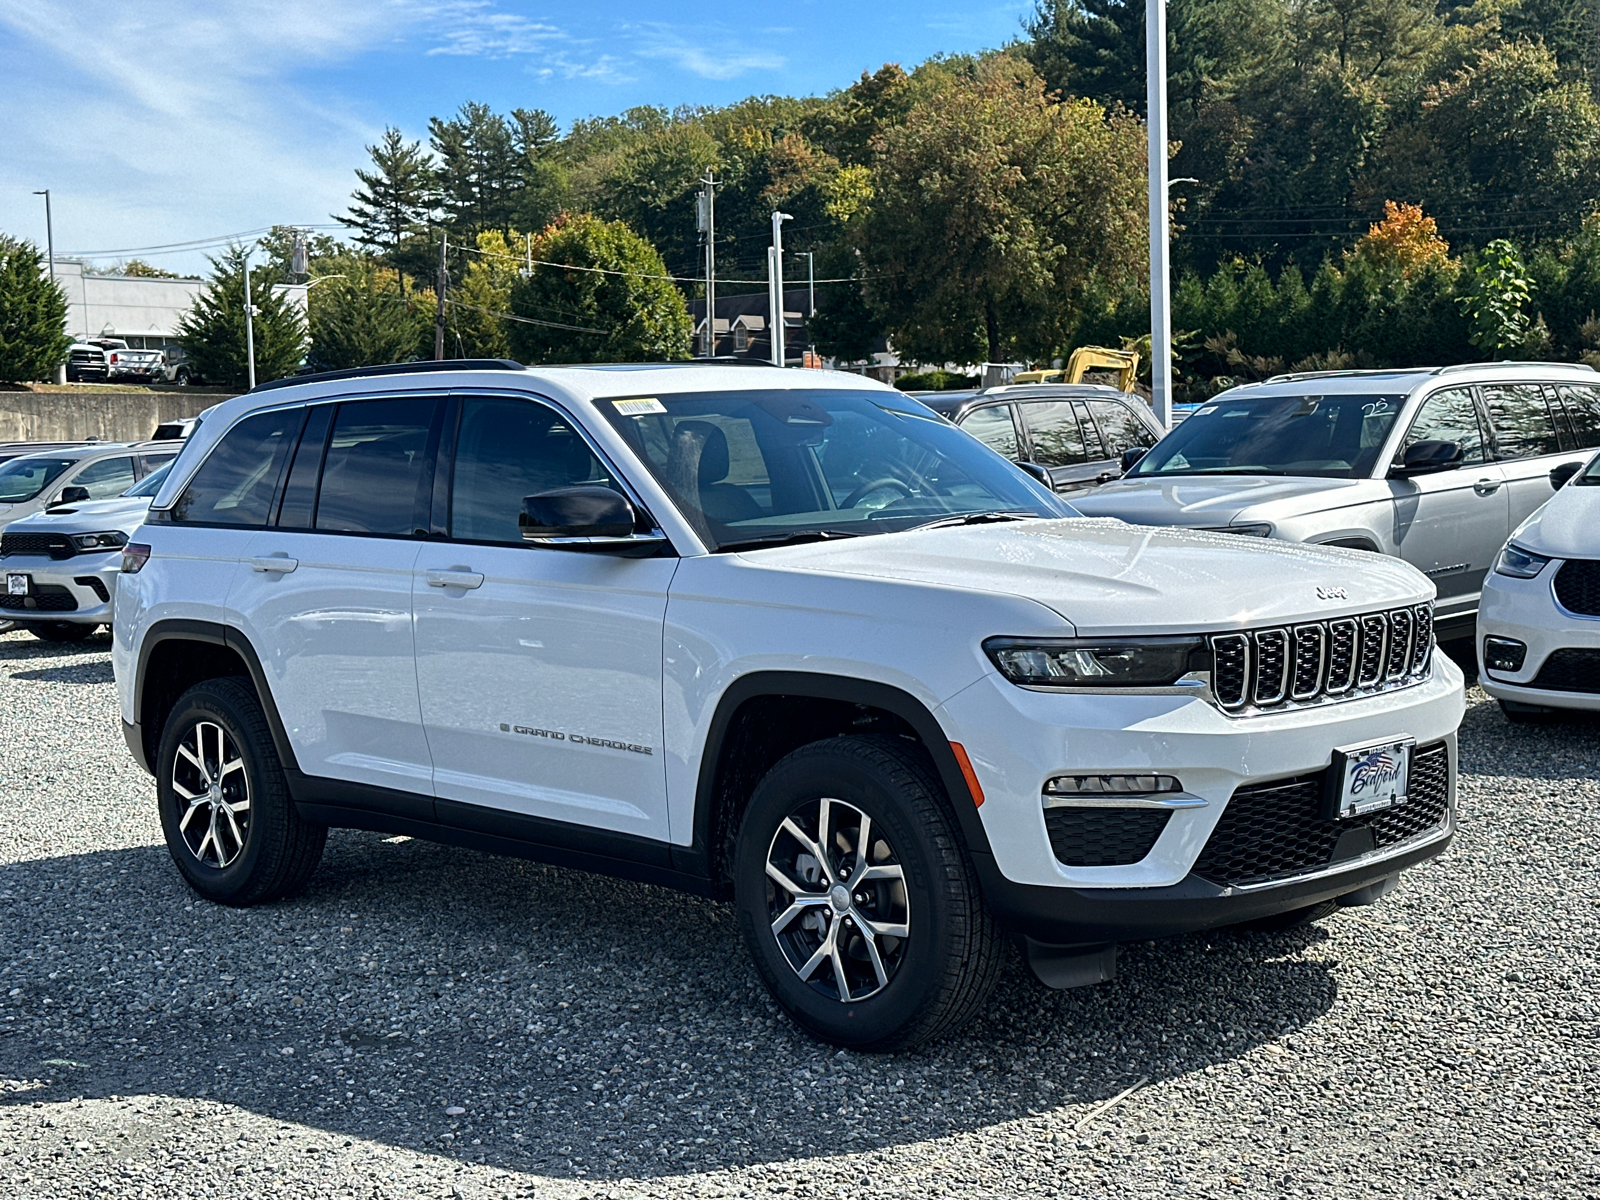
1405 241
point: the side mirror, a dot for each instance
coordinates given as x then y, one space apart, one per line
1131 457
1560 475
1424 458
72 495
588 514
1038 472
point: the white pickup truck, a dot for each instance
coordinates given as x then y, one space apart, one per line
124 363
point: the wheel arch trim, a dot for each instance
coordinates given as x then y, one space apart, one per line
213 633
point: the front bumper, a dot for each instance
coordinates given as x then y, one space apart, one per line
1526 610
1018 739
58 583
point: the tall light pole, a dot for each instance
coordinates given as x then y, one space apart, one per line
775 287
50 250
249 325
706 222
1155 24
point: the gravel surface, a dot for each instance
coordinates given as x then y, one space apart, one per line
427 1021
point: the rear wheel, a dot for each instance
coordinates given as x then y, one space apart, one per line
230 823
856 900
60 631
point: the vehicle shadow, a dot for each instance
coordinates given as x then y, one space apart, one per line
89 672
18 645
587 1027
1564 748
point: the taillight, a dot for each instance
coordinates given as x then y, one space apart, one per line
113 358
134 557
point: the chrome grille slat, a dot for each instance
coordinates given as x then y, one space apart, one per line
1399 658
1374 633
1271 680
1321 661
1344 643
1310 657
1230 669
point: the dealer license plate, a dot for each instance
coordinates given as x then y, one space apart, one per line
17 585
1370 778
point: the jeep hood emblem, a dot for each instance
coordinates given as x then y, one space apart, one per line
1331 593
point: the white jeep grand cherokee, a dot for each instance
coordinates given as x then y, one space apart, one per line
784 637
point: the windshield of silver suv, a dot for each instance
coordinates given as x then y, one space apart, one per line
756 467
24 478
1334 437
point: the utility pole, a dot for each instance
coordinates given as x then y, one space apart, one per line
50 249
249 325
775 287
706 223
438 319
529 238
1155 22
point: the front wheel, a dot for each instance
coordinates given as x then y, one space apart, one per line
61 631
856 899
230 823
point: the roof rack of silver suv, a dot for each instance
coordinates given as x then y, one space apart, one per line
410 368
1512 363
1297 376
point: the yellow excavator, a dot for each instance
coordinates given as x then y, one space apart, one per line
1089 358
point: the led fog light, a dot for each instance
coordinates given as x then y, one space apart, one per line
1503 654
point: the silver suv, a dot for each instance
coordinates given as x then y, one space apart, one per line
1435 466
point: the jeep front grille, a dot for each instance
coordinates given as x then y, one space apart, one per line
1310 663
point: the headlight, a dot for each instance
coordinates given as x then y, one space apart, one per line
1519 563
1098 662
112 540
1260 530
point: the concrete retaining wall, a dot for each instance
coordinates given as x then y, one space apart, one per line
109 416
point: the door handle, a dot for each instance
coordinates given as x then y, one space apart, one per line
1486 487
275 564
460 579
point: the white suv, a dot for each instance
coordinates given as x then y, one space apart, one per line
780 637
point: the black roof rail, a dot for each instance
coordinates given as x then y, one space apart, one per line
410 368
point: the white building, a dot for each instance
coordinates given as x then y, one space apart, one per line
143 312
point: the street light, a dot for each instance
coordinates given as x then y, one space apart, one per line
50 249
775 287
1155 23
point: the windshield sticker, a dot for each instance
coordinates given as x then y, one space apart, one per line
1206 411
1374 408
639 408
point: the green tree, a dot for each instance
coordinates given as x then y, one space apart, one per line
476 329
993 207
33 315
479 172
1498 300
137 268
608 301
396 197
361 318
213 330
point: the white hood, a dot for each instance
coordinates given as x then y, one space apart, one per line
1104 576
1568 526
126 513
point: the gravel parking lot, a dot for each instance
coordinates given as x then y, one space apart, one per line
427 1021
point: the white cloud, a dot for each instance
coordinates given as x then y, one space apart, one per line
710 58
482 31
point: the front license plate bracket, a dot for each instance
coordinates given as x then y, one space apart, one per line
1368 778
18 585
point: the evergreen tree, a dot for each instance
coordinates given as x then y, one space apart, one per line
608 303
33 315
363 319
478 171
395 198
213 330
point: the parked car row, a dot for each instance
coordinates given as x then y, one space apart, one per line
791 639
113 360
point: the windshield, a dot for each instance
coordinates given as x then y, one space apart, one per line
1591 476
771 466
151 483
24 478
1334 437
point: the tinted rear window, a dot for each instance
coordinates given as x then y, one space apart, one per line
236 483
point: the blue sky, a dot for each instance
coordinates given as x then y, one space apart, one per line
164 121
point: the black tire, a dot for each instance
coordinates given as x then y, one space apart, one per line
940 974
61 631
181 377
1529 714
1295 918
269 854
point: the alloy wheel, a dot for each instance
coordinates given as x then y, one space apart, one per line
208 775
837 900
